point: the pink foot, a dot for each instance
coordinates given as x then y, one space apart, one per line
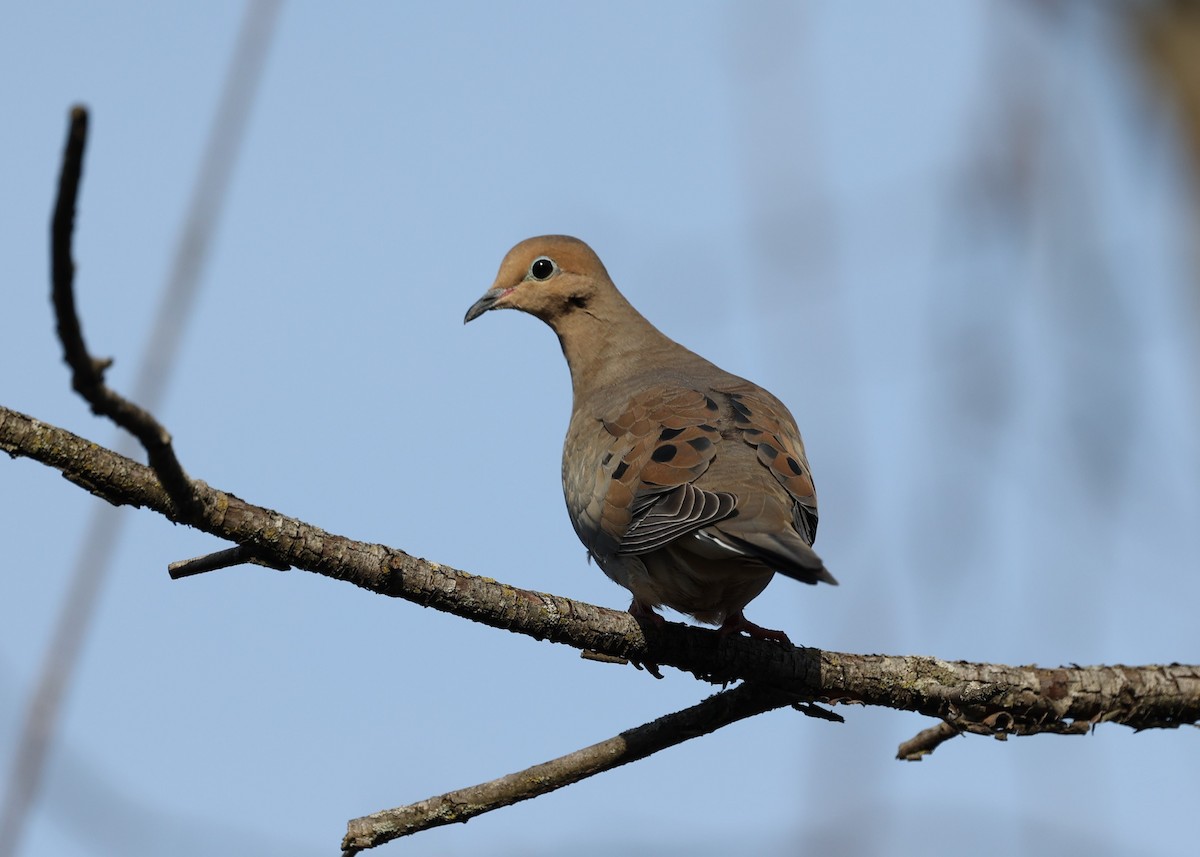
738 623
644 613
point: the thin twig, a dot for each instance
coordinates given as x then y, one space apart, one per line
462 805
925 742
228 558
62 229
87 372
811 709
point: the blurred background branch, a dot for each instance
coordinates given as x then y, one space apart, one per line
1167 33
98 548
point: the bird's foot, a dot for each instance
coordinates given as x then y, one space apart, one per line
640 611
738 623
644 613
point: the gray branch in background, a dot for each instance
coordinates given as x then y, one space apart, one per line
98 546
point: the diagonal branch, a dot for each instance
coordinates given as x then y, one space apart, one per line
461 805
992 698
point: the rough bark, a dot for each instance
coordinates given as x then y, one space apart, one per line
988 698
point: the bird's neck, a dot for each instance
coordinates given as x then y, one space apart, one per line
604 342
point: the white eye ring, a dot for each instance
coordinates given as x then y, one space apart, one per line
542 268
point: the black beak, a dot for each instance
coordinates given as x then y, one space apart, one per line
485 303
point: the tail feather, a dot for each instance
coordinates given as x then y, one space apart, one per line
786 553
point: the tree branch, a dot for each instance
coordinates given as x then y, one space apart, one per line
87 372
461 805
925 742
989 698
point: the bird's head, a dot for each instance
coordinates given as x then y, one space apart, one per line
551 277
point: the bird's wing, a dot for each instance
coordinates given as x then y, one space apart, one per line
766 425
777 526
628 474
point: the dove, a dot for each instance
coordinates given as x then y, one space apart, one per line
688 485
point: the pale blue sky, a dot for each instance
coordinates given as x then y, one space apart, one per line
996 382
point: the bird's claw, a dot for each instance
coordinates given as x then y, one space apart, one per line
644 613
738 623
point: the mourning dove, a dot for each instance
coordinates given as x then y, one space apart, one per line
688 485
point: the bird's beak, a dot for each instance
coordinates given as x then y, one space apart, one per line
485 303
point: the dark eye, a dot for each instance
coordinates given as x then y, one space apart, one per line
542 268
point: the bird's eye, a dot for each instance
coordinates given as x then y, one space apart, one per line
543 268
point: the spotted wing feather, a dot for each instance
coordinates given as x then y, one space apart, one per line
633 491
767 426
777 518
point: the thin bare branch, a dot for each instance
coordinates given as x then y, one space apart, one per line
237 555
925 742
598 657
811 709
462 805
62 229
87 372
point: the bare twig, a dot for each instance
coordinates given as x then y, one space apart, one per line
238 555
925 742
462 805
62 228
811 709
87 372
